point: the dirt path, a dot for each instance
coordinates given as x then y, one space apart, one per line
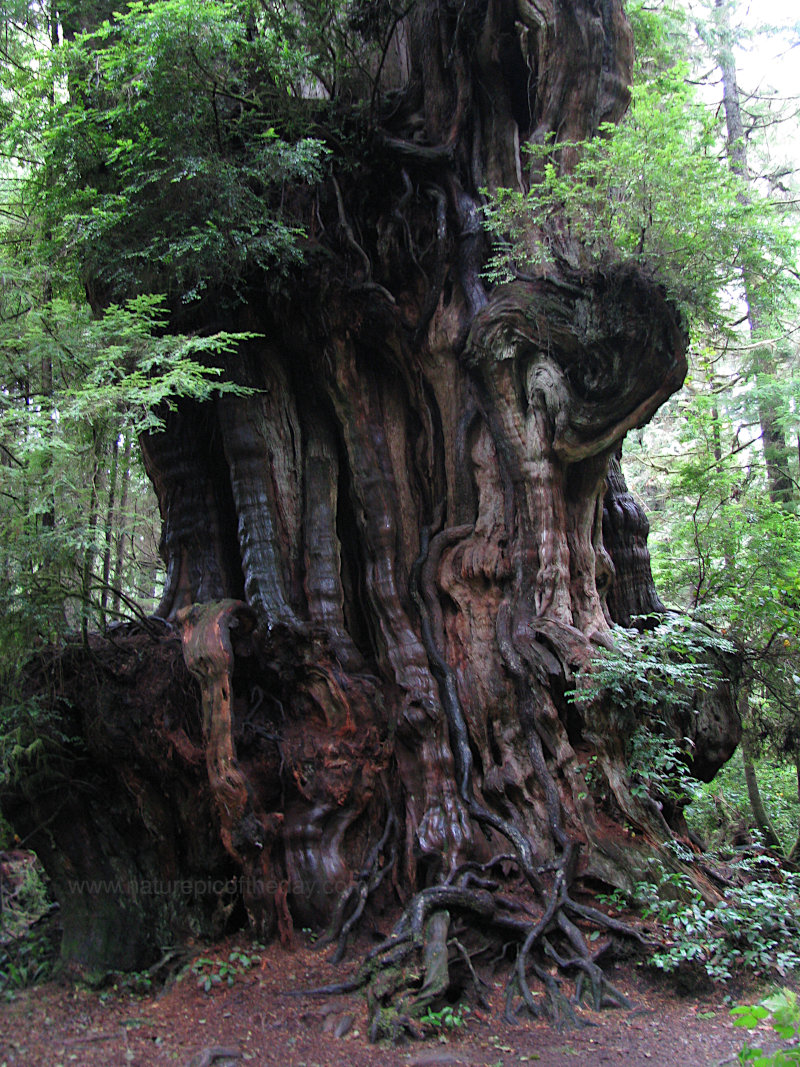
255 1022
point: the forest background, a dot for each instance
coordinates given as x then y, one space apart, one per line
699 182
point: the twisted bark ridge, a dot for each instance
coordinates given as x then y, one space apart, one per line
388 561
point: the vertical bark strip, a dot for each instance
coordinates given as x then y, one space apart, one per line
625 529
246 831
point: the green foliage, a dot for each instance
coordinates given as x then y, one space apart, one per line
720 810
717 501
662 36
449 1017
213 972
623 196
720 467
756 928
120 367
26 962
665 665
26 944
164 156
657 764
72 387
647 676
33 746
724 549
782 1011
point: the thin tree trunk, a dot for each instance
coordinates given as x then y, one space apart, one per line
122 524
108 532
757 806
776 452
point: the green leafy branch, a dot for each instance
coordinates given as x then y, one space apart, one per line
782 1011
164 158
623 194
664 665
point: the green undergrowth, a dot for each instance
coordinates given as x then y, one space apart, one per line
450 1017
28 940
720 809
215 971
781 1012
754 929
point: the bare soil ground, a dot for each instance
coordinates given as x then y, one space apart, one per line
253 1021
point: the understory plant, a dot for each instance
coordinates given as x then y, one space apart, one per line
661 661
782 1011
450 1017
27 947
653 675
755 928
215 971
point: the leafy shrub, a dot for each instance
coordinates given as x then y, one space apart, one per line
27 948
657 764
756 928
214 972
623 197
657 666
168 168
26 962
447 1018
783 1012
651 677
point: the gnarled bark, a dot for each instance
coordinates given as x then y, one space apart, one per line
406 518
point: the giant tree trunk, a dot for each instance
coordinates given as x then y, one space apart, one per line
386 564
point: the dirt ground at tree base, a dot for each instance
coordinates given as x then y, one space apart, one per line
253 1021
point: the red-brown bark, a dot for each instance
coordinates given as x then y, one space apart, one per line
413 519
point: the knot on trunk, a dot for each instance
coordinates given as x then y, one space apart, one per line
596 355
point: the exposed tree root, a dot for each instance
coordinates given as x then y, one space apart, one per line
416 967
412 970
353 900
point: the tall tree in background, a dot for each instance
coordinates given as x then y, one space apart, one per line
727 541
782 488
760 318
392 543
